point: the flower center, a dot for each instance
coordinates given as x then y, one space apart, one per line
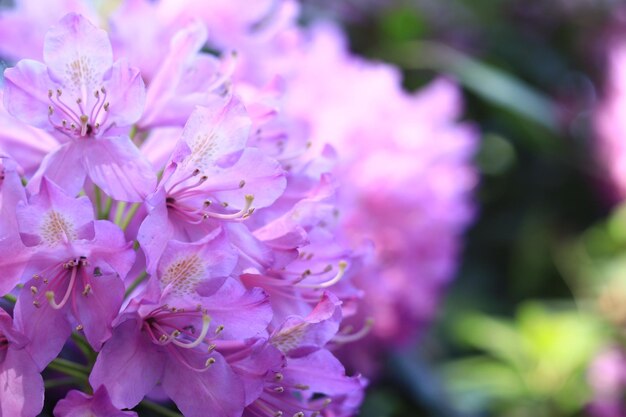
185 335
61 278
76 118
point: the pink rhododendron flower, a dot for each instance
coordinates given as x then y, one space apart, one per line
74 271
177 347
210 181
81 94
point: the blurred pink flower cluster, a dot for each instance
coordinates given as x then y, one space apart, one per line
610 121
203 202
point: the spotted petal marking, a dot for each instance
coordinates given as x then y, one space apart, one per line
183 275
289 339
57 228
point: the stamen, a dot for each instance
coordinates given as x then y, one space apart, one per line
194 173
95 111
79 101
206 320
242 214
87 290
83 123
342 270
57 102
66 297
349 338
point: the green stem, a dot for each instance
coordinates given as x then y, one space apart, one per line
119 212
55 366
10 298
159 409
98 197
107 208
135 284
60 382
71 365
129 216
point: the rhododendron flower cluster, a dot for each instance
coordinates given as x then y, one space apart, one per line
179 216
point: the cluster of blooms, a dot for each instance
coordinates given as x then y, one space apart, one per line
171 225
406 185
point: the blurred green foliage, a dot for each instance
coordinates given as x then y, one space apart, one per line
534 363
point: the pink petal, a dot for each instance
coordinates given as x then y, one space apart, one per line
129 365
117 167
21 385
217 392
26 92
214 132
78 54
53 218
126 93
64 166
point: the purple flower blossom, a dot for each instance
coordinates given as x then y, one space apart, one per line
73 274
213 179
172 347
80 94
